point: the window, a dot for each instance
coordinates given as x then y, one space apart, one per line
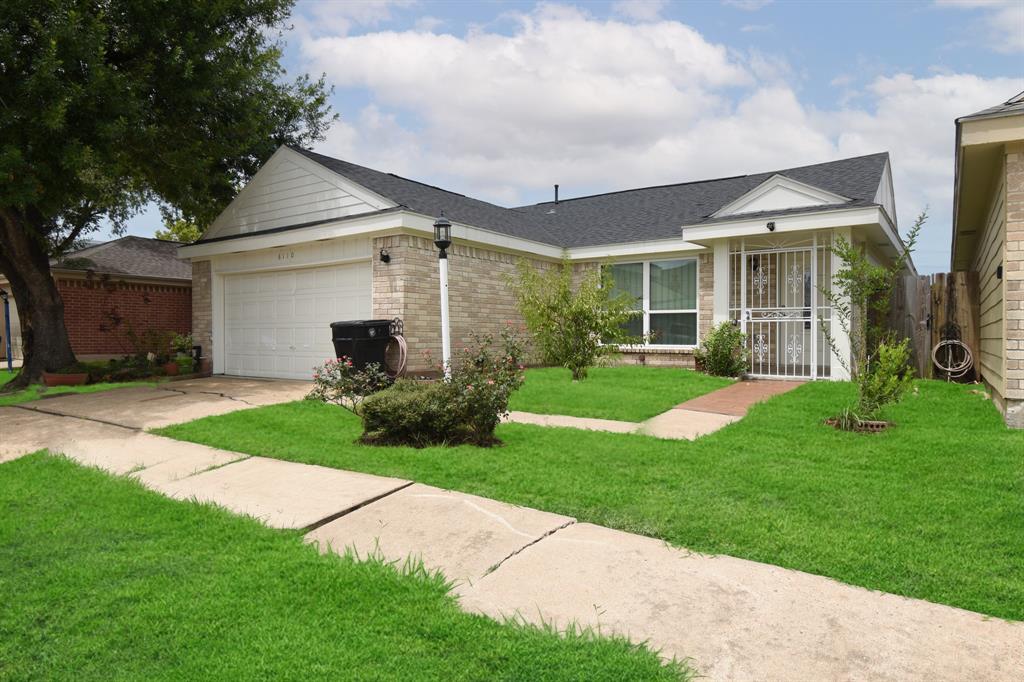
666 293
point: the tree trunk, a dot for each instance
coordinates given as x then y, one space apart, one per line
25 262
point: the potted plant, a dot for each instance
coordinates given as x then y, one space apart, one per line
72 375
184 364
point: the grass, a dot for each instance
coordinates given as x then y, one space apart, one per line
932 508
629 393
102 579
38 391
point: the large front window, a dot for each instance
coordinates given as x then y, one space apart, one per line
666 295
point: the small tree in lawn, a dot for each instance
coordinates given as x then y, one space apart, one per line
573 327
860 295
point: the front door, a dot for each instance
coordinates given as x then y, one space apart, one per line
778 313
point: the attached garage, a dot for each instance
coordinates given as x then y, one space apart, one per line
277 323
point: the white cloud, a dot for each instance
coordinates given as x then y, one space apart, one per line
338 17
640 10
756 28
599 105
1002 22
747 5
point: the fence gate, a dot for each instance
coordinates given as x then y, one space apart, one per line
778 304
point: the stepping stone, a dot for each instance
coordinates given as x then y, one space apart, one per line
281 494
742 620
463 536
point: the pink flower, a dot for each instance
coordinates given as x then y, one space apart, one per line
469 387
490 382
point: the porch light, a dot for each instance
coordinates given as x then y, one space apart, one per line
443 239
442 235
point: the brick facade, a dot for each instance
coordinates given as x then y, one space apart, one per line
202 307
99 311
1013 280
479 297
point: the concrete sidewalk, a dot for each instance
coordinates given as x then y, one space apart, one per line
737 619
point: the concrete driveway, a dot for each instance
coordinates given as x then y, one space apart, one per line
115 413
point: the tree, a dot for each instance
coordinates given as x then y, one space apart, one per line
180 230
105 106
860 294
573 327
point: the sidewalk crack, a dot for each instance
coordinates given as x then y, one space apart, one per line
551 532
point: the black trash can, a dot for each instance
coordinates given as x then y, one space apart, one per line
361 341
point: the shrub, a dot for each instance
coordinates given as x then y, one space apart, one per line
465 408
576 327
338 382
416 413
887 379
723 352
182 343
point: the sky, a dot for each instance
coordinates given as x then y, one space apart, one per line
500 100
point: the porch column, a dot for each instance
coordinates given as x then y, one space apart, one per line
721 281
842 339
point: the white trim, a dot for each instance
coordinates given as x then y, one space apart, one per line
662 247
813 220
814 195
721 282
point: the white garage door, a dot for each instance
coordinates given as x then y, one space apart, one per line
277 324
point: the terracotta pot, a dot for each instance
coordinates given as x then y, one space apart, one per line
78 379
171 369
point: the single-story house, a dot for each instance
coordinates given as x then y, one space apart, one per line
988 238
109 288
313 239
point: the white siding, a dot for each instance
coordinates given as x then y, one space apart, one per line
292 190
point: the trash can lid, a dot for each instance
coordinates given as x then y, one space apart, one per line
359 323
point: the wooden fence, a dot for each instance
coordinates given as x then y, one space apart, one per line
928 309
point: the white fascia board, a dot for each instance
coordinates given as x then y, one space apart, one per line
658 247
254 241
367 225
463 232
816 193
816 220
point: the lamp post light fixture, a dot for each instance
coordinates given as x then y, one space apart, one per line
443 239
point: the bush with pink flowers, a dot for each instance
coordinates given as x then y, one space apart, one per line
338 382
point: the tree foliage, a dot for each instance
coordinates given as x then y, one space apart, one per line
107 106
573 326
860 295
180 230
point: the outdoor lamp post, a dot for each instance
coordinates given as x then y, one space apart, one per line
443 239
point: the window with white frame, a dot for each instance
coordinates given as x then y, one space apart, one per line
666 294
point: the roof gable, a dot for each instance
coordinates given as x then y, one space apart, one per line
779 193
290 189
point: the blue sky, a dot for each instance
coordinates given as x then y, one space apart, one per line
500 100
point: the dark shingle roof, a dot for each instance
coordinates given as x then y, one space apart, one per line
1012 106
129 257
649 213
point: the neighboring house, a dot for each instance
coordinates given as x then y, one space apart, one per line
109 288
988 238
301 245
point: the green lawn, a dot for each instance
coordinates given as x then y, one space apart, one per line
37 391
102 579
933 508
630 393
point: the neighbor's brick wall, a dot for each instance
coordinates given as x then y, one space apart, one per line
1013 277
408 287
202 307
93 306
